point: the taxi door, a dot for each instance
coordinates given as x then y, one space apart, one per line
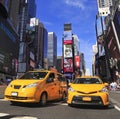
52 87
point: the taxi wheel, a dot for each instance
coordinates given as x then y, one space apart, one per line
14 103
43 99
64 96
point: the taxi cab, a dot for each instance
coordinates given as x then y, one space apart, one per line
88 90
38 86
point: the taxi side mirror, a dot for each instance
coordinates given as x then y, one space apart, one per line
106 84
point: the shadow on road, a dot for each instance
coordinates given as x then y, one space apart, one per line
110 106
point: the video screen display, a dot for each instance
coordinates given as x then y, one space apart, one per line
68 65
68 51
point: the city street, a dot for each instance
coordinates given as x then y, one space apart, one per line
56 110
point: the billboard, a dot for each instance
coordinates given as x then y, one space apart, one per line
67 51
77 61
67 36
68 65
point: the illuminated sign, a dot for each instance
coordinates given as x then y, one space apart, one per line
67 51
68 65
77 61
67 36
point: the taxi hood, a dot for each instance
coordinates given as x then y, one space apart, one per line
24 82
87 88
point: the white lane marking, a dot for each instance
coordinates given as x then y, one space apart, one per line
24 117
19 117
64 104
116 107
3 100
3 114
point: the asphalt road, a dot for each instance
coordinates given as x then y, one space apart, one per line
56 110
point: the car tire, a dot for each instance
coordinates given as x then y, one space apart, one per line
43 99
14 103
64 97
70 105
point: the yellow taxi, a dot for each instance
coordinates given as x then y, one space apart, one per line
88 90
38 86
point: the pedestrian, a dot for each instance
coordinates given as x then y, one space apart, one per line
113 85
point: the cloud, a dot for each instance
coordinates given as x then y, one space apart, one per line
75 3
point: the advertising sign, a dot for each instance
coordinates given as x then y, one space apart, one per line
67 51
77 61
67 36
68 65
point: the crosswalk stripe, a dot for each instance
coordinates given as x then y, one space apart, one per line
17 117
2 100
3 114
116 107
24 117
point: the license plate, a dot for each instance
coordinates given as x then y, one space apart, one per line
86 98
14 94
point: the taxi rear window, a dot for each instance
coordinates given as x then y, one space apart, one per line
34 75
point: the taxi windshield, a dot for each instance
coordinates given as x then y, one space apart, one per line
87 81
34 75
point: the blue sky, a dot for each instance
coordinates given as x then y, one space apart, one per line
80 13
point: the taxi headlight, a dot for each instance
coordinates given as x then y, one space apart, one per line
31 85
71 89
104 89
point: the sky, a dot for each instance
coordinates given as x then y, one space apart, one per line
80 13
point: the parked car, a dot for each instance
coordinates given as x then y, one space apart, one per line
38 86
88 90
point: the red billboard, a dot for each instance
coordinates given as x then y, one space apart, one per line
68 65
77 61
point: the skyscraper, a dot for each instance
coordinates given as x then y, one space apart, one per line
25 14
104 7
9 43
52 49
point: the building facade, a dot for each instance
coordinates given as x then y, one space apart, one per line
52 49
9 44
24 18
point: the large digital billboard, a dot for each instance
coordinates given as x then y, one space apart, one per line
68 51
67 36
77 61
68 65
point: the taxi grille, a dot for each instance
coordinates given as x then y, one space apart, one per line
16 98
95 100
